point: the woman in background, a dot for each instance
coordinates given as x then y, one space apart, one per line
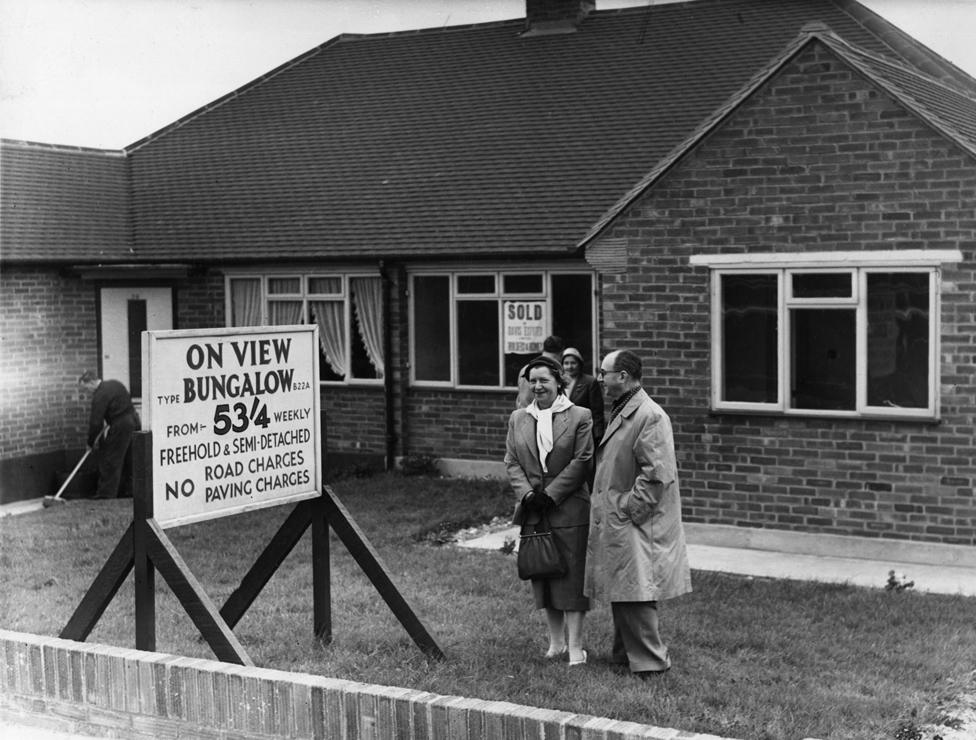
583 389
548 456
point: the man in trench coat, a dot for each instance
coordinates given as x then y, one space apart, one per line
636 554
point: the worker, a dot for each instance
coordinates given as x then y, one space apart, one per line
112 406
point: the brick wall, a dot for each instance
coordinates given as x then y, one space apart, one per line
47 338
818 160
458 424
75 687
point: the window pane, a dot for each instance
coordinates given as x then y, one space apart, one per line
822 285
522 283
284 286
245 302
476 283
285 312
749 338
366 331
325 285
432 316
823 359
330 317
898 340
478 342
572 315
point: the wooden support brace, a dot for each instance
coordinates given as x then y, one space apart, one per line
369 560
102 590
193 598
274 554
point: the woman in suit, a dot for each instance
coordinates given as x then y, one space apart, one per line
548 456
583 389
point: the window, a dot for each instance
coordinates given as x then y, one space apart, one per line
848 334
347 308
477 329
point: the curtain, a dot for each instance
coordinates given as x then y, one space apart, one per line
284 312
367 294
245 302
329 317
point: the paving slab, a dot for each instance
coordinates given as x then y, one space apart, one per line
872 573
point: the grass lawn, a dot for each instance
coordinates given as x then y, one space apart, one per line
752 658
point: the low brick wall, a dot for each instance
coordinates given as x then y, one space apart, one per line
105 691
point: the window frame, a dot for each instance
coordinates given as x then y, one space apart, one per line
861 265
499 296
305 295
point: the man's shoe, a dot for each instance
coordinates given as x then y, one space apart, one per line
647 675
581 661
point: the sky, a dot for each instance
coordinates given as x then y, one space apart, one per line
106 73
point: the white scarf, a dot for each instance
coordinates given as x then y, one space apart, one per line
543 425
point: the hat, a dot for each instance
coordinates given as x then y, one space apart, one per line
543 361
572 352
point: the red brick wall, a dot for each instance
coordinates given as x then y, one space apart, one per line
819 159
48 337
52 685
459 424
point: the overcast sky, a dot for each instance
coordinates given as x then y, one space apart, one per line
106 73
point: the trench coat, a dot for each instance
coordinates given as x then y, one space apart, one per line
636 549
569 464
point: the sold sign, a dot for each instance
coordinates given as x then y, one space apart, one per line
525 326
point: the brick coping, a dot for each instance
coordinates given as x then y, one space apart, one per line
101 689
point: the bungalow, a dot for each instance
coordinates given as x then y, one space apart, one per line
771 202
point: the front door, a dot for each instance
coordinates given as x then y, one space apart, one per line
125 313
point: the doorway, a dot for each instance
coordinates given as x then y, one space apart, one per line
125 313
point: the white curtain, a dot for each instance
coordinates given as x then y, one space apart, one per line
245 302
332 336
367 294
284 312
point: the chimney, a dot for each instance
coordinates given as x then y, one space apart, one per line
547 17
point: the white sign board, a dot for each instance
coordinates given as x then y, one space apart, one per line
234 416
525 326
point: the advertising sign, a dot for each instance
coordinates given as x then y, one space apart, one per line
525 326
234 416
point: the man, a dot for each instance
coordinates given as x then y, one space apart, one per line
636 555
552 348
112 405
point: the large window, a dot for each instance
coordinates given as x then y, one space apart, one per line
851 334
347 308
477 329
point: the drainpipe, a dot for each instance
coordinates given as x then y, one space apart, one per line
391 435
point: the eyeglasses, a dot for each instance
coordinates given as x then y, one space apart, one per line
601 372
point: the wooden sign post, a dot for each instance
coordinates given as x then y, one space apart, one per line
261 448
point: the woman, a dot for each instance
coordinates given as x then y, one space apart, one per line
583 389
548 455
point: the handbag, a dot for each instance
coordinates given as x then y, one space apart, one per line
538 554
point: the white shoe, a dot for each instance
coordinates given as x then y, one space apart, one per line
581 661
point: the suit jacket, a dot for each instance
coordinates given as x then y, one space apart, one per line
636 549
588 394
569 464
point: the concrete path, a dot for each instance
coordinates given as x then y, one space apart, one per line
764 563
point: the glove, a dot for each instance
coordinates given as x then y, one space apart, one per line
536 500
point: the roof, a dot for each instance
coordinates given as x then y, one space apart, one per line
468 140
462 141
62 203
939 103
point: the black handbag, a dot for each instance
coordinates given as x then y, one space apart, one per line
538 554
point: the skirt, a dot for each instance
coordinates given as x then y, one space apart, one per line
565 593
